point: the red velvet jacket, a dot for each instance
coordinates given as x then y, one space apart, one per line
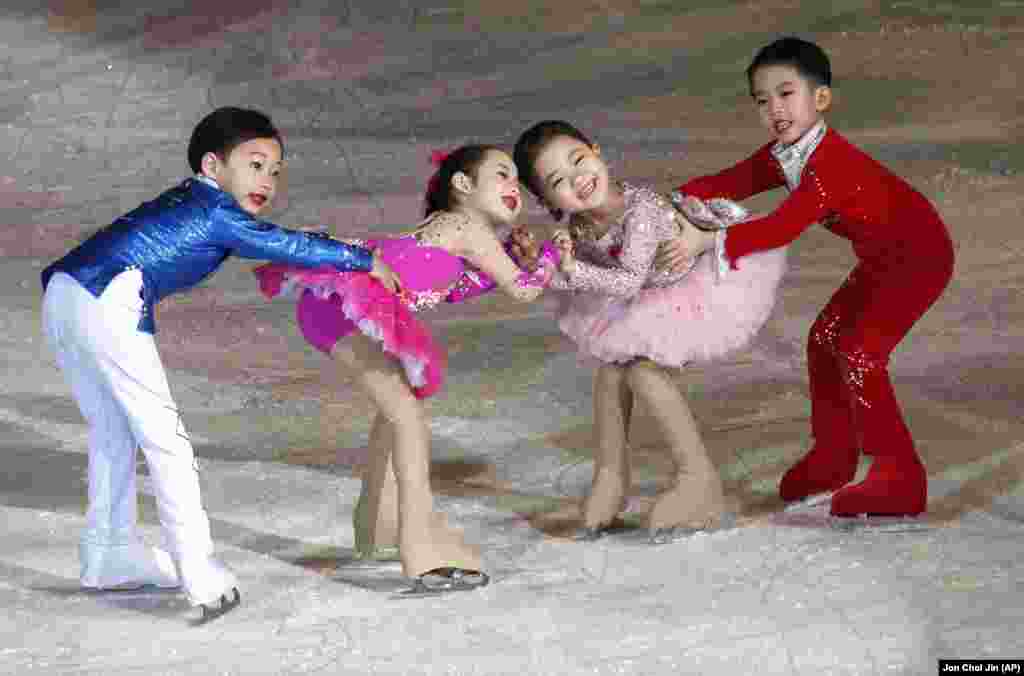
841 187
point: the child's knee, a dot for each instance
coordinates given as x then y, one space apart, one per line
863 347
861 366
402 408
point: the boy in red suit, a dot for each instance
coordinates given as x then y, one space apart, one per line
905 261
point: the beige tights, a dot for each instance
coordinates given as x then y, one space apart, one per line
613 405
375 519
425 539
695 498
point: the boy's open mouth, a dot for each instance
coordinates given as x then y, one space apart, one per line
257 199
782 125
511 201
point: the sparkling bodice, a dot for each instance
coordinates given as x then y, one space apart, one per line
621 261
428 273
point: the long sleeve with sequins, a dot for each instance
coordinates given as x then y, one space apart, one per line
801 209
646 222
754 175
852 195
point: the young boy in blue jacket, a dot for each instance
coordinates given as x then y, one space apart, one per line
97 313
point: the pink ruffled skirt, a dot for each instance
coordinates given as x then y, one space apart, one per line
333 304
694 320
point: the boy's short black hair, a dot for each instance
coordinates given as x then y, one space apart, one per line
224 129
808 58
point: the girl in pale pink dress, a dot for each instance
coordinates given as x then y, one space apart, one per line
374 335
639 322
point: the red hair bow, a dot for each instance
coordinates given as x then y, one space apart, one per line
439 156
436 158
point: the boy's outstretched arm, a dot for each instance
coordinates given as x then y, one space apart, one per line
756 174
248 237
802 208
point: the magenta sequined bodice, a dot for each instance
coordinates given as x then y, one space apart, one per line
429 274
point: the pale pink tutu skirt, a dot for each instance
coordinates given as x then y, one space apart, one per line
694 320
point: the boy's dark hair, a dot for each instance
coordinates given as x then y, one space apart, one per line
806 57
532 141
466 159
226 128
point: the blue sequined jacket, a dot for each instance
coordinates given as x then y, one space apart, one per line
183 236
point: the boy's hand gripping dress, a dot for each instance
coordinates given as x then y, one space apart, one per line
905 261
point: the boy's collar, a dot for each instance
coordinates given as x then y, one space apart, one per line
203 178
793 158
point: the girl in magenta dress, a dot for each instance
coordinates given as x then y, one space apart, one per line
374 334
638 321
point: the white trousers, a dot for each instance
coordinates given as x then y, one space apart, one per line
119 382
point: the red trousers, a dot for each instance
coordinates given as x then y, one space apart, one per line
853 406
848 352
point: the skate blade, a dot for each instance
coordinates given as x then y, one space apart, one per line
445 581
595 533
667 536
209 612
809 502
129 588
879 524
652 536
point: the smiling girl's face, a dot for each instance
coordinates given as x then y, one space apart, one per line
571 175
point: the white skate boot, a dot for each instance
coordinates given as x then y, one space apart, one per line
125 565
208 583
